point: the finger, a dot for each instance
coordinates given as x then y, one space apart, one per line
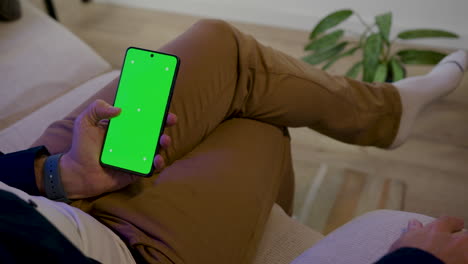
447 224
103 123
165 141
463 235
158 163
414 224
99 110
460 240
171 120
120 179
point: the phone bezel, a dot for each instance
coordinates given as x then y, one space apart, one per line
166 112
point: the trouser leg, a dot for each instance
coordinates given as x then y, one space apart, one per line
226 74
211 205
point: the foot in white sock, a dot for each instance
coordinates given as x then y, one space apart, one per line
418 92
459 58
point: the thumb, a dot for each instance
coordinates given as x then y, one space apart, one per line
414 224
100 110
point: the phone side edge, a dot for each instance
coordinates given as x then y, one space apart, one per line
166 112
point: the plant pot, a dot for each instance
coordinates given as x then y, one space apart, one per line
389 78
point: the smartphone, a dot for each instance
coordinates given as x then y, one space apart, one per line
144 94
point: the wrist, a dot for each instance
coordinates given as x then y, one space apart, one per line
39 172
69 175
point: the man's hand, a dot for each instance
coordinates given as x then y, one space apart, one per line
81 173
437 238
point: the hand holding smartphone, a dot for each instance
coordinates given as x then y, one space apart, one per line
144 93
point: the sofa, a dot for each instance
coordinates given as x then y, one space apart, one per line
46 72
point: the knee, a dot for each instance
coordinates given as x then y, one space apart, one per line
215 26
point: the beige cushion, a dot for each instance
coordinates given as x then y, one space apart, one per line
23 133
364 240
284 239
40 60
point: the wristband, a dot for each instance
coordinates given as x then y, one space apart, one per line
52 182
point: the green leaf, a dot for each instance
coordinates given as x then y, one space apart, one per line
354 71
381 73
384 22
330 21
339 56
325 41
398 72
319 57
426 33
411 56
372 49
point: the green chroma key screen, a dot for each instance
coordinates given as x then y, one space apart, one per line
143 94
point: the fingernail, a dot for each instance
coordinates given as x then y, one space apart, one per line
413 222
460 221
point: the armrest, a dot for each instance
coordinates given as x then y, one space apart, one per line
41 60
363 240
284 239
24 132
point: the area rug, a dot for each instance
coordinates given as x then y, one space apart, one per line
328 196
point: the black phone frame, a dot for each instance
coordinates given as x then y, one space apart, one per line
166 112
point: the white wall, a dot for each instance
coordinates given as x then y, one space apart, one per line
303 14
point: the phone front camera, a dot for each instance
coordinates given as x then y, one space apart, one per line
152 55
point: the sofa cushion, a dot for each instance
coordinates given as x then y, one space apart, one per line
364 240
284 239
40 60
23 133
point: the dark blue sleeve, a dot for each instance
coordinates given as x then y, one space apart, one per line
409 256
17 169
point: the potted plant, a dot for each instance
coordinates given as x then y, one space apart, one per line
378 63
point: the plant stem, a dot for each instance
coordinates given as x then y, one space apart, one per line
364 34
368 27
387 55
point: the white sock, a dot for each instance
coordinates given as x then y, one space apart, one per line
418 92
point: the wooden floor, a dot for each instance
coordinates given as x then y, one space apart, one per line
433 163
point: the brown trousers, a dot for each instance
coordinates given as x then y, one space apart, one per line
230 158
